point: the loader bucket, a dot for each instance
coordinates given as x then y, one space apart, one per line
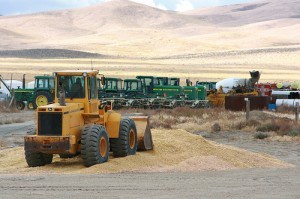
144 135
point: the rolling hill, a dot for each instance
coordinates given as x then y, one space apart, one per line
125 28
242 14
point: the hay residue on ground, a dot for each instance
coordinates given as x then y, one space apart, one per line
175 151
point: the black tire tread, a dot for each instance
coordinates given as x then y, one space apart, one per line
90 137
36 159
120 146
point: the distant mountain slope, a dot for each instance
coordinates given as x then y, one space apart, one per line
125 28
241 14
48 54
103 23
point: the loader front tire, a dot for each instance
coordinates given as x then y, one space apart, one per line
126 144
94 145
37 159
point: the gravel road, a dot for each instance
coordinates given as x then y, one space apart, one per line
252 183
12 135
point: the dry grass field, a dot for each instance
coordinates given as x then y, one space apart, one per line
274 66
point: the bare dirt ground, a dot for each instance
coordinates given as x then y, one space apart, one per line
20 182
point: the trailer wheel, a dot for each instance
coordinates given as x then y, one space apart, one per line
126 144
30 105
94 145
42 98
20 105
36 159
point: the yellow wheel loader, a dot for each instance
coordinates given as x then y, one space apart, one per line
77 123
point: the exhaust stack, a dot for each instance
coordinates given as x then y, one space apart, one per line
62 95
23 81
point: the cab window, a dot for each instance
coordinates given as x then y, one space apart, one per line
92 88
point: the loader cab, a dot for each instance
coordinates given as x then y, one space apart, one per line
79 87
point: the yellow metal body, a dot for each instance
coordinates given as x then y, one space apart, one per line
75 114
218 99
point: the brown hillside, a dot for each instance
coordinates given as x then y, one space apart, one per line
129 29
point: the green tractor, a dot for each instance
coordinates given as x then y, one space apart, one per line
134 93
174 81
40 95
209 86
133 89
112 92
160 91
43 91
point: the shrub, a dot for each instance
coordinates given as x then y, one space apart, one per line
17 120
216 127
294 133
7 122
267 127
261 136
285 109
244 124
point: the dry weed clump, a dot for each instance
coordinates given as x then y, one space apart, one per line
11 120
216 120
281 126
4 108
17 120
195 120
285 109
216 127
2 143
7 121
244 124
261 135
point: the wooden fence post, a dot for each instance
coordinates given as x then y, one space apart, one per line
297 112
247 109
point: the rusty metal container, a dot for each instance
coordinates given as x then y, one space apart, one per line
237 103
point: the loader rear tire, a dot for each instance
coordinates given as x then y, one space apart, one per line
126 144
36 159
94 145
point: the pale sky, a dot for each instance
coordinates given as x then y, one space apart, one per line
14 7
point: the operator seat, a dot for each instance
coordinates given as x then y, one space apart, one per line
77 89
